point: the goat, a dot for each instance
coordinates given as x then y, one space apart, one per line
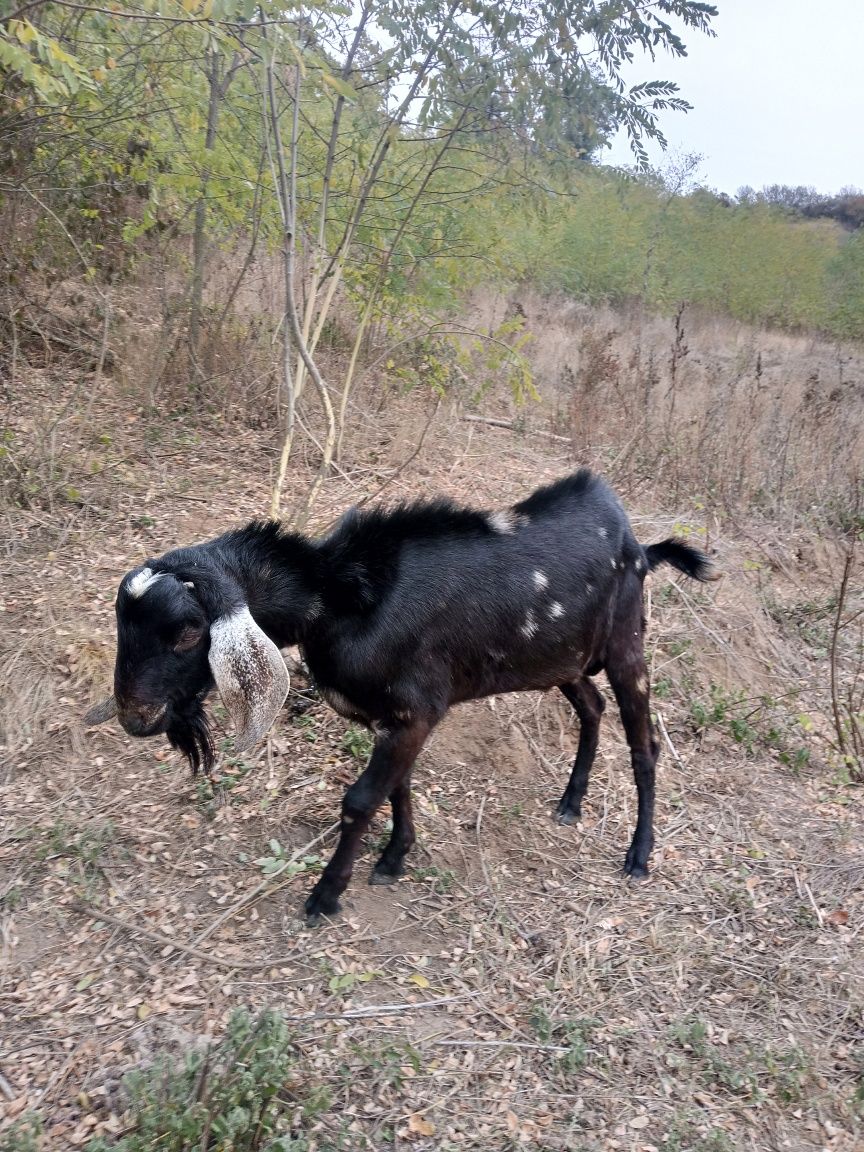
399 615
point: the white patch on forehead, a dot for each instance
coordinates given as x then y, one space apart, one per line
141 581
555 610
602 532
541 580
530 626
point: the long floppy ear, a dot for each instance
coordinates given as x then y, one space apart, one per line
250 674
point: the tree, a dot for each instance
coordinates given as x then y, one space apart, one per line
384 126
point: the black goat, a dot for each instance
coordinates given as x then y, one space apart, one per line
399 615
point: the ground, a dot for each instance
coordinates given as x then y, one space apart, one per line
513 990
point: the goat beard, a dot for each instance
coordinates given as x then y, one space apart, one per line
189 733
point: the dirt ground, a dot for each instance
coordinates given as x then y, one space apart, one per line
513 990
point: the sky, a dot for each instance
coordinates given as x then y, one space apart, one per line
778 96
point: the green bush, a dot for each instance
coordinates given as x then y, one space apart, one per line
238 1095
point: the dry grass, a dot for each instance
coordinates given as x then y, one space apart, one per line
513 991
700 406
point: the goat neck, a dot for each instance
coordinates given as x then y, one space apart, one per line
275 574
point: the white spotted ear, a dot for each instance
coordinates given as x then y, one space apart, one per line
250 674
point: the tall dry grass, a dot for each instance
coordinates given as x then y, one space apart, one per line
742 418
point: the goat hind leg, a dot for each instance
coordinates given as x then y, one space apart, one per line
629 680
391 863
589 705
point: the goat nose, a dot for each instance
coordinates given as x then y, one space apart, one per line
134 721
138 721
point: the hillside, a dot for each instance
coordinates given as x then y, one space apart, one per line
512 990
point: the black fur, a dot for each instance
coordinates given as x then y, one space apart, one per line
402 613
681 556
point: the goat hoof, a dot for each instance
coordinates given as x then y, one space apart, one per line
376 877
635 871
318 906
567 816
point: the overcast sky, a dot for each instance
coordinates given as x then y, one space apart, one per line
778 95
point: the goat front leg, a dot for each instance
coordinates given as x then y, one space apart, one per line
387 773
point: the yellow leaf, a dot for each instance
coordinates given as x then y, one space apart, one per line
420 1125
419 979
111 63
143 1011
25 33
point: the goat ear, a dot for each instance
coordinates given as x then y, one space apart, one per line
250 674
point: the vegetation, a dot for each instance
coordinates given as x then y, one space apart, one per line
225 231
238 1093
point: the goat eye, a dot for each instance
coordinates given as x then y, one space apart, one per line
188 638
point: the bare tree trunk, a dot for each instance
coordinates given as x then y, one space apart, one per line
286 194
199 235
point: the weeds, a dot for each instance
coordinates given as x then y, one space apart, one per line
282 862
684 1135
443 879
764 726
22 1136
241 1094
358 742
749 1073
573 1035
83 847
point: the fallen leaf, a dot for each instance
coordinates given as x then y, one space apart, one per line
640 1121
838 916
419 979
420 1125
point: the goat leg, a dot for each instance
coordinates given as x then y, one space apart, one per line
589 705
391 864
630 684
386 774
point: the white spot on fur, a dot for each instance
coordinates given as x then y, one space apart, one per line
341 704
503 522
638 564
642 685
589 588
602 532
613 562
141 581
529 628
541 580
507 521
555 610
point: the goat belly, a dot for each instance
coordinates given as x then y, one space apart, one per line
341 704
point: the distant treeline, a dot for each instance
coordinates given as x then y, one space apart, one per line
766 258
126 139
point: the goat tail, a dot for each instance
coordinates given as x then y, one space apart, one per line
686 559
